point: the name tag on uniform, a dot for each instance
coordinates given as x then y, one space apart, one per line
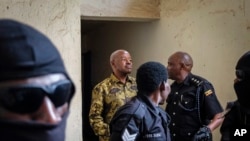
155 135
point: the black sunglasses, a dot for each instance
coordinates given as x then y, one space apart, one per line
28 98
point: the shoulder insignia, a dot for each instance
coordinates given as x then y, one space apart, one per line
196 81
126 136
208 92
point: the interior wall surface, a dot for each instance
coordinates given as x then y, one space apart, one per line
60 21
215 33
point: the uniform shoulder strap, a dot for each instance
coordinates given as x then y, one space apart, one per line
197 81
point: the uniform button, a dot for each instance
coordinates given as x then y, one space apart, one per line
174 134
173 113
189 134
173 124
186 102
174 103
176 92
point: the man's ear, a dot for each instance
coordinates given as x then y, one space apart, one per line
112 63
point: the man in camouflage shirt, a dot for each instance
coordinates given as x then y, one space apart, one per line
112 93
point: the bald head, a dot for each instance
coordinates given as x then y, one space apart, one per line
179 65
185 59
116 54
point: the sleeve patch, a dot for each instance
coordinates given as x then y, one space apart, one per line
208 92
127 136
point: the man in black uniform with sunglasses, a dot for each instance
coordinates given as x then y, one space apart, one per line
35 89
236 125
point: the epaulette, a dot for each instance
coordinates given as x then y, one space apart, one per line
140 111
196 81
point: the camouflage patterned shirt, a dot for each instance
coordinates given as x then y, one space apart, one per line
107 97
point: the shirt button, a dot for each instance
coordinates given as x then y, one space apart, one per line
186 102
176 92
174 134
174 103
173 113
189 134
173 124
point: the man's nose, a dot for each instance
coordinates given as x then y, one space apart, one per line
48 112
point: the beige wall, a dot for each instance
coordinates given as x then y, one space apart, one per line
215 32
60 20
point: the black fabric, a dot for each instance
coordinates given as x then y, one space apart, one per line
243 73
182 106
142 119
32 131
243 92
243 66
26 52
237 118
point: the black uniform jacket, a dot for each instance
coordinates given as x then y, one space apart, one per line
140 120
191 104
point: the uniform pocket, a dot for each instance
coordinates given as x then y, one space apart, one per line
188 101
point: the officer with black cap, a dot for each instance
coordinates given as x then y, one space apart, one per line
35 89
238 116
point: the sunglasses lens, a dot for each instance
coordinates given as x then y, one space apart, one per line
22 100
61 93
28 98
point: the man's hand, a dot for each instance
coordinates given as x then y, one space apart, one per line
204 134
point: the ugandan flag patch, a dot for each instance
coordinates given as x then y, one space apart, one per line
208 92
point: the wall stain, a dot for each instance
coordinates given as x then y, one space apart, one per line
204 3
175 7
226 11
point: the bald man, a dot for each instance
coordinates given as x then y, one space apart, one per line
192 103
112 93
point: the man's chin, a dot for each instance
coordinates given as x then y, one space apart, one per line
129 71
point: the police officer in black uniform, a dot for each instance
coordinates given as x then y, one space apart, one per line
238 116
192 103
142 119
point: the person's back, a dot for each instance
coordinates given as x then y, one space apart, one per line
142 119
35 89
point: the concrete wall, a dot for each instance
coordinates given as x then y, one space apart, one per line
216 33
60 21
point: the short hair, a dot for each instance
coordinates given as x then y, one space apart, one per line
149 76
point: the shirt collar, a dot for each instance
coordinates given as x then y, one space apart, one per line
186 80
115 79
148 102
